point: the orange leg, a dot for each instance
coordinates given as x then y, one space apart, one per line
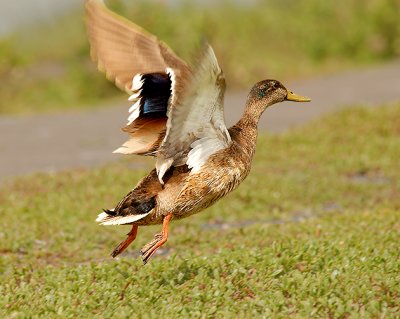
159 240
123 245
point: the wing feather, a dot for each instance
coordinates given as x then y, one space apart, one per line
126 52
123 49
196 128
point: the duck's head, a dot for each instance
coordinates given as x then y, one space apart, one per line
268 92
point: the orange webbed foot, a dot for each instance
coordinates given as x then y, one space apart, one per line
123 245
159 239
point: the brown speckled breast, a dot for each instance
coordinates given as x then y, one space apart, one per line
221 174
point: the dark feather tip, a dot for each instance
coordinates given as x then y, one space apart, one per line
109 212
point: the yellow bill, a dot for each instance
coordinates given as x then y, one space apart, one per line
297 98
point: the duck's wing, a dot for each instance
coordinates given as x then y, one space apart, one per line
196 128
142 66
122 49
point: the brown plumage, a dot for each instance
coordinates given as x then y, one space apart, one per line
177 117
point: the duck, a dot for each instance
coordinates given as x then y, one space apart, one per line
177 117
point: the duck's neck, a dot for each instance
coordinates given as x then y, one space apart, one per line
245 132
252 113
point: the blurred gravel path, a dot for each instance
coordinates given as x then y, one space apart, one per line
86 138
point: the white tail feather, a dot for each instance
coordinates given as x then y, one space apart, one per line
101 216
106 219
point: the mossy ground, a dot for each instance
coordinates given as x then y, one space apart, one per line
313 232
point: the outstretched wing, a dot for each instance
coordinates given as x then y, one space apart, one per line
122 49
141 65
196 128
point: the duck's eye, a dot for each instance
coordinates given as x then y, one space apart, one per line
261 93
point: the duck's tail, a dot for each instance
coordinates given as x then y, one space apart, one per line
109 217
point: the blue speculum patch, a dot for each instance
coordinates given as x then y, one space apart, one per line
155 93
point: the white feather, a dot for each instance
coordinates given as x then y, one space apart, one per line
101 216
201 150
172 76
135 96
124 220
137 82
105 219
162 168
134 112
135 106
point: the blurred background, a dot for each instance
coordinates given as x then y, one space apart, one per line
44 52
45 66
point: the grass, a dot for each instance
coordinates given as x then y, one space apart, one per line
48 67
313 232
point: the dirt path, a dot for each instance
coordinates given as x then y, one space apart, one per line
84 139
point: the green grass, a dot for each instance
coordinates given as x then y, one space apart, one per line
313 232
48 67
